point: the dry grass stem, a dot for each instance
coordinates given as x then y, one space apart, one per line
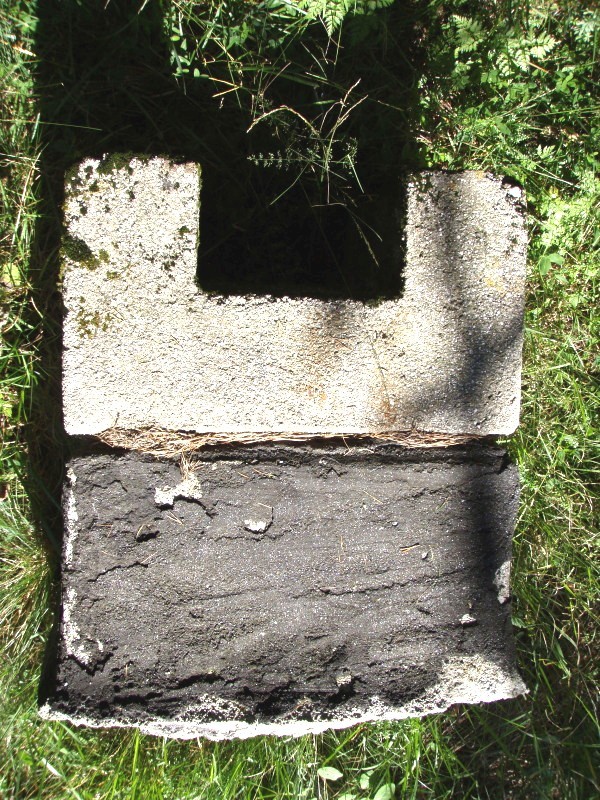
173 444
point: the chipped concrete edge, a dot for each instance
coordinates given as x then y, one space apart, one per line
466 679
71 634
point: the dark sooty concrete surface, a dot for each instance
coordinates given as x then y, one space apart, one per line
284 589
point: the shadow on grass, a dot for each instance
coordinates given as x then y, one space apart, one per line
283 212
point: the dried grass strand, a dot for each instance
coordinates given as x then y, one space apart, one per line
172 444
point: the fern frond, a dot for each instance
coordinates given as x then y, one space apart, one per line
469 33
333 12
542 45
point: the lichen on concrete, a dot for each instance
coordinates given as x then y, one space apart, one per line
444 357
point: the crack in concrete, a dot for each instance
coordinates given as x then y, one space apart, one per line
117 567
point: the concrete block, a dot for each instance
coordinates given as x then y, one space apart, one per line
284 590
144 347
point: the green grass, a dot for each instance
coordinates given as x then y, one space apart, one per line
501 86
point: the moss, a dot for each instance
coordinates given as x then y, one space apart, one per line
120 161
78 251
114 162
103 256
183 230
72 179
112 275
93 187
89 322
72 173
374 302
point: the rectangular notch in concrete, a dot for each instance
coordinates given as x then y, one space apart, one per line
284 590
145 347
301 245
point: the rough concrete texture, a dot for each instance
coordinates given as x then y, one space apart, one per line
284 590
144 347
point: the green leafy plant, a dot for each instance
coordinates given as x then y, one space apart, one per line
333 12
321 148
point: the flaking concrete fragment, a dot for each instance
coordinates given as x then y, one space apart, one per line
187 489
261 518
502 582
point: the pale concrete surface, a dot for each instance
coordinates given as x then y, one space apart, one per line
144 347
284 590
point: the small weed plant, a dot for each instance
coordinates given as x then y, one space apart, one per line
311 104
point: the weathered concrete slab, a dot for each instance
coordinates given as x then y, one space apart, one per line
144 347
284 589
